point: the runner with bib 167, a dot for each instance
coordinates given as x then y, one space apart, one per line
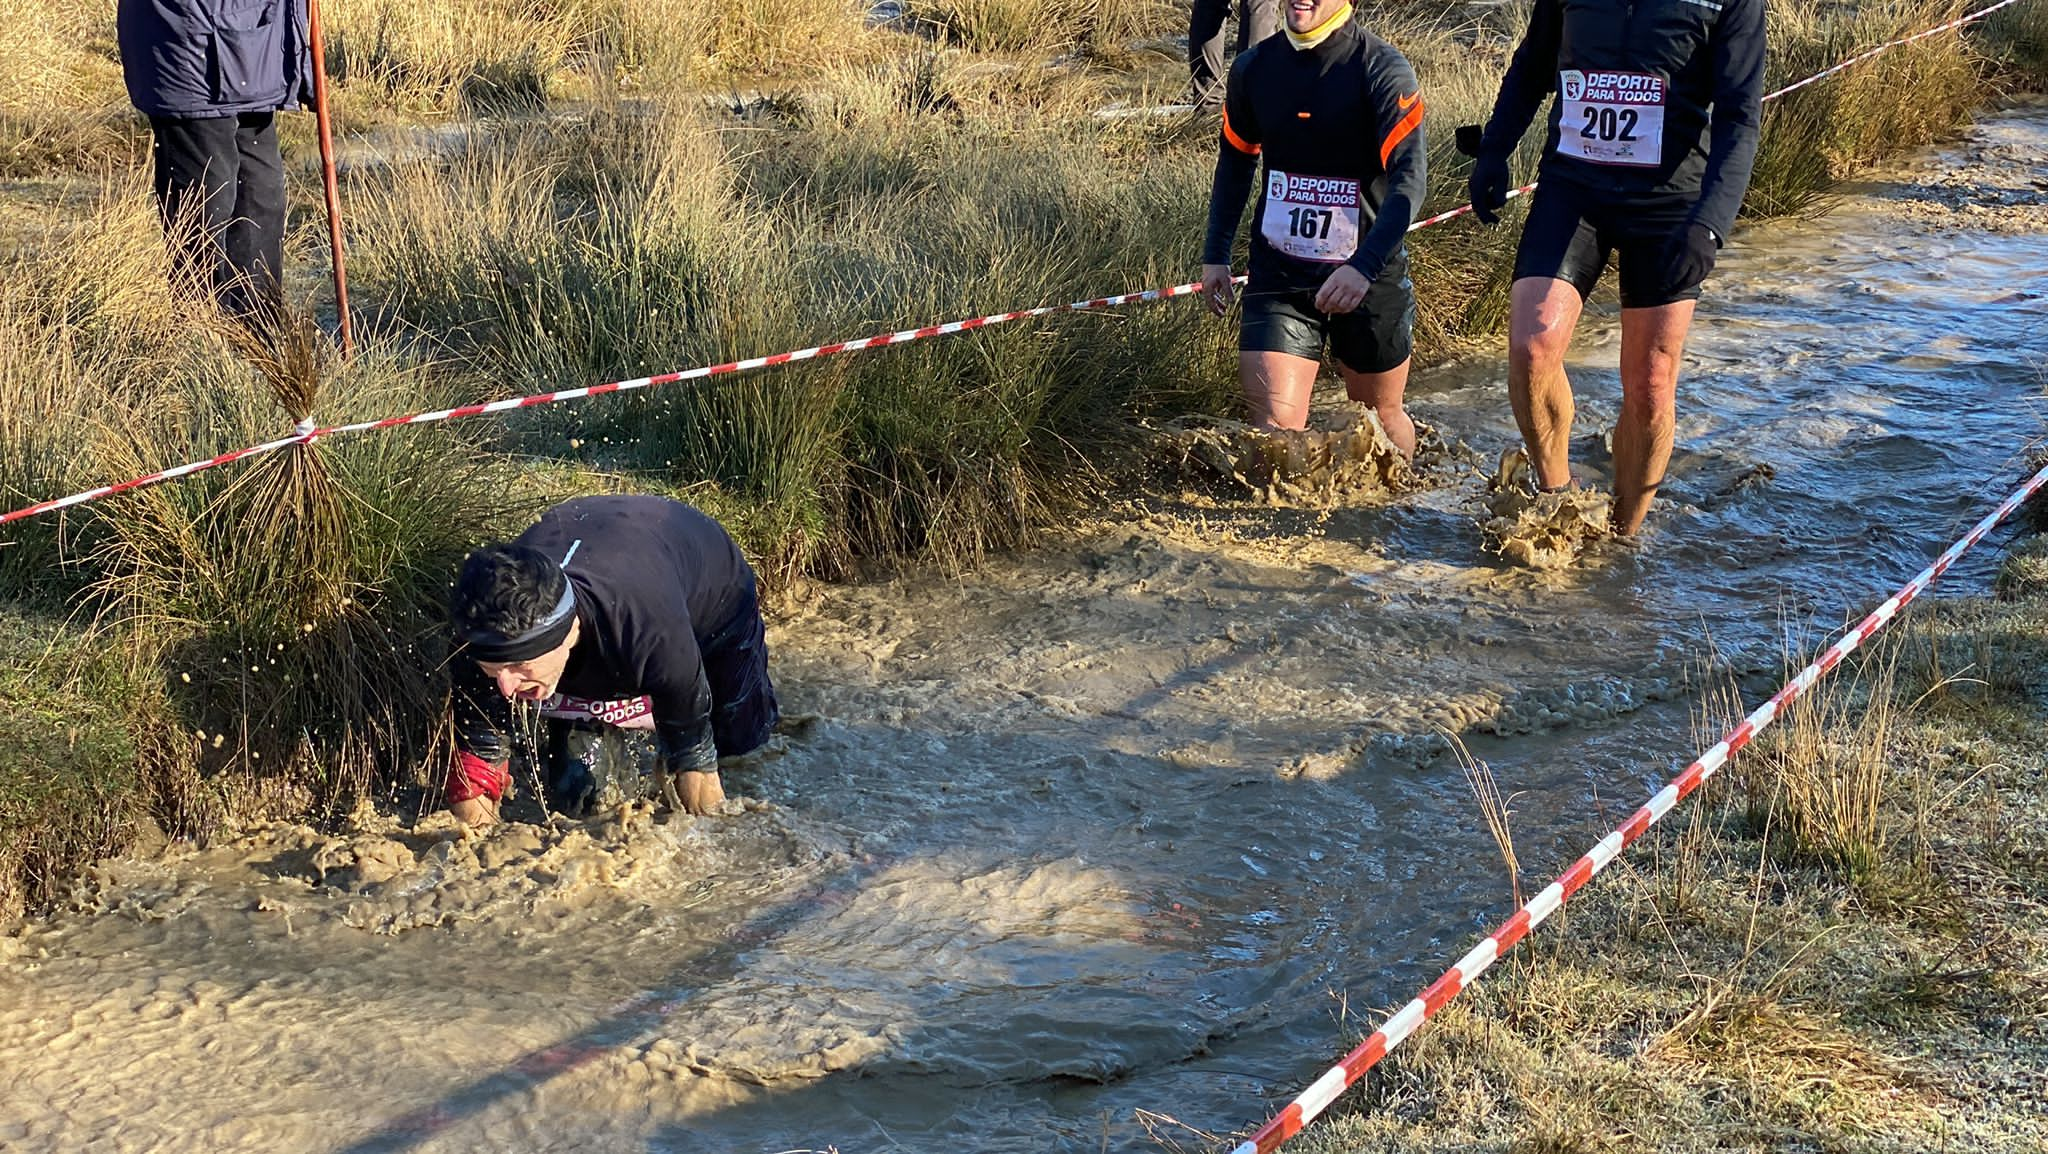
1337 115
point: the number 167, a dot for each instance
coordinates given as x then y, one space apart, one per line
1309 223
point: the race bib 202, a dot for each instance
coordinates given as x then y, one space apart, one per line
1612 117
1311 217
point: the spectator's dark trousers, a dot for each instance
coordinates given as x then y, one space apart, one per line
220 186
1256 20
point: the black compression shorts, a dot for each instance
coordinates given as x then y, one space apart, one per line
1571 232
1372 338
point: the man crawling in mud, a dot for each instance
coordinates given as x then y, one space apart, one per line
626 611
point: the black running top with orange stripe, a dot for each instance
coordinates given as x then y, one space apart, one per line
1340 128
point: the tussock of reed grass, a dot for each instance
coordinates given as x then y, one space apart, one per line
294 607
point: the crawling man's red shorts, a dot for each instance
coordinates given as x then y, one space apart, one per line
473 777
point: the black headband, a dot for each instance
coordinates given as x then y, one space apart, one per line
544 636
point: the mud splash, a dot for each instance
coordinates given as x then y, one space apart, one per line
1126 822
1343 457
1538 529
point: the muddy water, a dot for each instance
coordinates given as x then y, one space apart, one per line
1149 820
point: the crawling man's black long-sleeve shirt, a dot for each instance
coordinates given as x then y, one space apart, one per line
1340 127
654 580
1656 98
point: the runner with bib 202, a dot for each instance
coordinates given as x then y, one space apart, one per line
1337 115
1652 138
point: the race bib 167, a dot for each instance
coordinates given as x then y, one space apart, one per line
1612 117
1311 217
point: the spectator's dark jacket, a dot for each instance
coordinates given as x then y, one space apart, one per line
200 58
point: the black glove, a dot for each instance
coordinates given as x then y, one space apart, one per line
1489 186
1469 137
1689 256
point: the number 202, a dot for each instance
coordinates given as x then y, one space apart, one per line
1607 124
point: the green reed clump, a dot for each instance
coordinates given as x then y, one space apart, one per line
1902 99
2016 39
620 245
295 605
88 322
70 785
611 248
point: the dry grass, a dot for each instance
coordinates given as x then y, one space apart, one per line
1819 781
1096 26
500 56
1493 812
62 105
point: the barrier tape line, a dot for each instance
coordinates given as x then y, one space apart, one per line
1891 44
302 435
1340 1077
306 436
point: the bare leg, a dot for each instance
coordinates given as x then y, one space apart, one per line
1652 343
1277 388
1544 312
1383 392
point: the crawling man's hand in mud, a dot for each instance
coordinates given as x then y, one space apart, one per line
1343 292
699 792
476 812
1217 288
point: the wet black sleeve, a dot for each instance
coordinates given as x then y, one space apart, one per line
482 718
1531 77
1738 47
1237 161
672 676
1404 155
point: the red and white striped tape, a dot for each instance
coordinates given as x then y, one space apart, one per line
1888 45
303 435
1409 1018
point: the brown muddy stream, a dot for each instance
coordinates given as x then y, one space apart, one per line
1123 823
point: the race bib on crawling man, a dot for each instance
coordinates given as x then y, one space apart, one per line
1312 217
632 713
1612 117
